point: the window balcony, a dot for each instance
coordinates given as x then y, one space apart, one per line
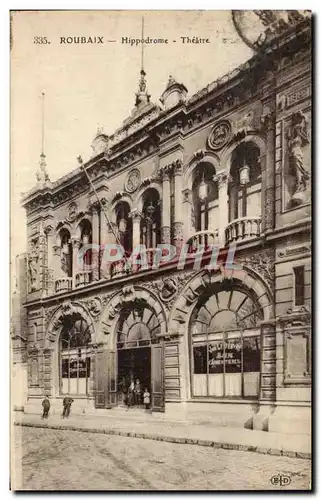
83 278
119 268
243 229
63 285
202 239
124 267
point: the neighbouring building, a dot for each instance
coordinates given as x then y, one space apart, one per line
229 165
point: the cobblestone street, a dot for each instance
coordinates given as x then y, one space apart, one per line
71 460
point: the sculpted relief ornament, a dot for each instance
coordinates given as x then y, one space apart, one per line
167 288
220 135
72 212
94 306
297 140
133 181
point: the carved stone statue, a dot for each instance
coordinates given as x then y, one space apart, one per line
33 273
169 288
33 265
297 140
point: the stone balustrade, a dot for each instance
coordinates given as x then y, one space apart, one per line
241 229
63 285
83 278
202 239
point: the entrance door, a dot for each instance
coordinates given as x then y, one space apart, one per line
157 376
133 364
105 379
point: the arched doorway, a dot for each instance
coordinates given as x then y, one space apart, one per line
137 329
224 339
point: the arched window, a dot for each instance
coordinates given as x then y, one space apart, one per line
245 188
86 239
124 226
74 351
151 220
205 205
205 198
66 252
138 326
225 343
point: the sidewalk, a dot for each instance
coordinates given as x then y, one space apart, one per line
146 426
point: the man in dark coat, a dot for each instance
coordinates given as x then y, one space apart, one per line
46 407
67 402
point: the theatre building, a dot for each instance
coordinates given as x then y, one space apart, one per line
227 168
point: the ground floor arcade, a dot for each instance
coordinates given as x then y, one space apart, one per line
217 352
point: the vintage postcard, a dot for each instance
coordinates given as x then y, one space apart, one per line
161 250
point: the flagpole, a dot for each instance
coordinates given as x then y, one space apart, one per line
142 44
82 166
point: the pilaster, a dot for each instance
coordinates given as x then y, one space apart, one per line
178 212
222 179
165 173
268 219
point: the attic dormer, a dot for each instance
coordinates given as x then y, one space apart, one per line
174 93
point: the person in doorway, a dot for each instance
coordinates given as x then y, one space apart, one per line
138 392
146 397
46 407
67 402
124 390
130 395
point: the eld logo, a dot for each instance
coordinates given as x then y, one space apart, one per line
280 480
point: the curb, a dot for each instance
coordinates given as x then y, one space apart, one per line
170 439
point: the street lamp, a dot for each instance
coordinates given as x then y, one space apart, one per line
244 175
122 226
203 190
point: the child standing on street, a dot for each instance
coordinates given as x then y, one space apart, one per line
46 407
146 397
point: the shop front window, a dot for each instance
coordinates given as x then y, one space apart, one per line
75 357
225 344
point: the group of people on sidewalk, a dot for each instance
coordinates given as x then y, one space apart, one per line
67 402
133 395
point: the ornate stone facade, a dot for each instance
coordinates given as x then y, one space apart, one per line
153 162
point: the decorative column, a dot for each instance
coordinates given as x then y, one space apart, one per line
268 174
178 215
75 259
95 209
136 217
188 213
165 173
222 179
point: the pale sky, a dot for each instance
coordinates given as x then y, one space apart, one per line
90 85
